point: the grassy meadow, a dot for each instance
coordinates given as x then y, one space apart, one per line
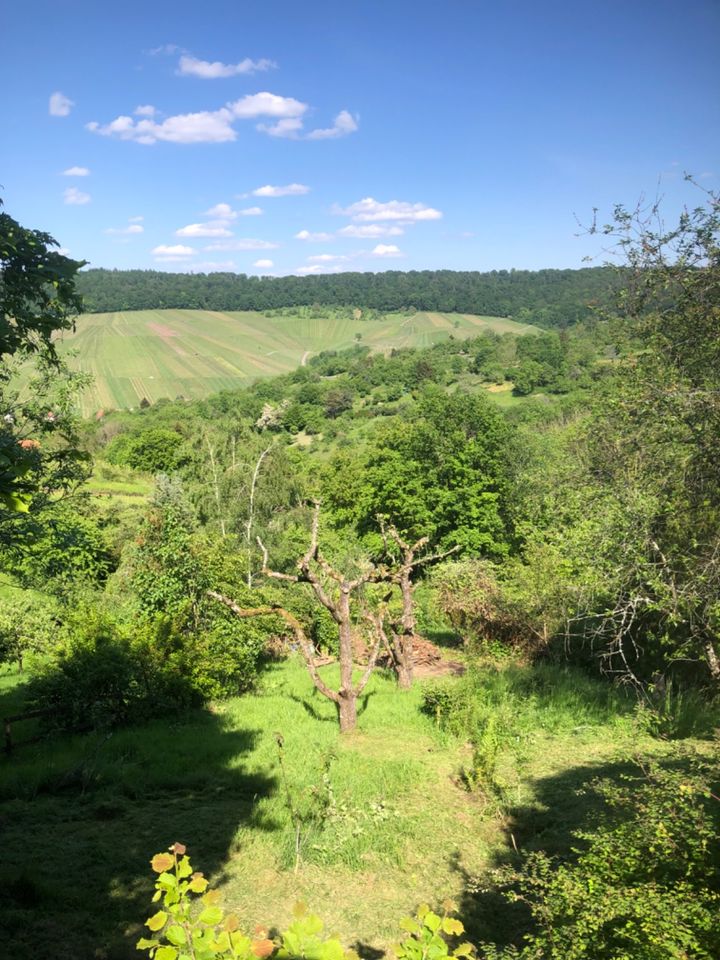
387 819
193 353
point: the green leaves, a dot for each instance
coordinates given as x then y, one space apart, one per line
425 940
212 935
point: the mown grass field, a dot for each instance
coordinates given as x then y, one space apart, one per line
388 821
193 353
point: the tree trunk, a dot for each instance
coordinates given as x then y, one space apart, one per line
347 711
404 675
347 707
712 660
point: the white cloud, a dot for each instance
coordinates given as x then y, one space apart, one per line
131 230
386 250
291 190
266 105
60 105
193 67
223 211
369 231
76 172
369 209
244 243
313 237
75 197
317 268
326 258
145 110
135 219
63 251
264 264
288 127
344 124
212 229
214 266
172 254
203 127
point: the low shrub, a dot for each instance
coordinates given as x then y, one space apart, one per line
104 673
645 885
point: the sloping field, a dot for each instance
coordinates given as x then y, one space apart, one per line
192 353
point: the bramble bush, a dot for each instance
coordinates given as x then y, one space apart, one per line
181 931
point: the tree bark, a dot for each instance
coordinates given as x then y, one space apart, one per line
712 660
347 711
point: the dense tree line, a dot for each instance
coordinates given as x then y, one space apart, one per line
550 298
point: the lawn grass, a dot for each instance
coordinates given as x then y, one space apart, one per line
387 822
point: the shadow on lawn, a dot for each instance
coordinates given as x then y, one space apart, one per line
562 805
82 817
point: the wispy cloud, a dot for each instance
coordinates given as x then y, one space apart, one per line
313 237
344 124
76 198
263 264
327 258
211 229
317 268
76 172
223 211
369 209
369 231
386 250
60 105
173 254
290 190
193 67
288 127
132 230
145 110
244 243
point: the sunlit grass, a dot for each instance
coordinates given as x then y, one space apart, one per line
385 819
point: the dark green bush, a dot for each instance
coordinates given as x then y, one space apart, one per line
646 883
105 674
153 451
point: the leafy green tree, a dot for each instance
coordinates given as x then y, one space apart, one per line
441 474
39 458
27 626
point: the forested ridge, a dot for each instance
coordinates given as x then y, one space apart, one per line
550 298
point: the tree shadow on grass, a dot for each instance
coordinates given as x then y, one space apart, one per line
330 716
562 805
82 816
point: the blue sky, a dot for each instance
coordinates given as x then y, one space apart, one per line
284 137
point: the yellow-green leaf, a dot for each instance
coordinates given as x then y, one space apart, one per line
157 921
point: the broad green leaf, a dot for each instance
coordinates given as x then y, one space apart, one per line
175 934
210 916
157 921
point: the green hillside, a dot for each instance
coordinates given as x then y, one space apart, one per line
192 353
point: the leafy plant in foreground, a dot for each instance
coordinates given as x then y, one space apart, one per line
178 932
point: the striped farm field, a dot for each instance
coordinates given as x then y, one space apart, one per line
193 353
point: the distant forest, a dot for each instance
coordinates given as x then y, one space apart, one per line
549 298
